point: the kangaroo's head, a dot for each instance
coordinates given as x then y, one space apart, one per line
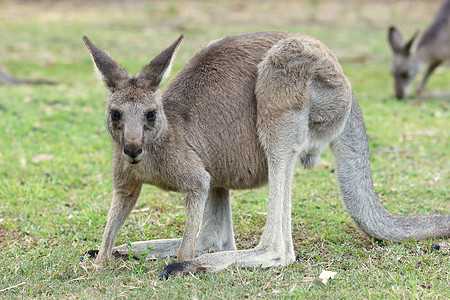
135 115
405 66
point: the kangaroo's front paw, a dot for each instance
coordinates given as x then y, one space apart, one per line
171 270
91 253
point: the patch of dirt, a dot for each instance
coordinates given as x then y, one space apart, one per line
9 236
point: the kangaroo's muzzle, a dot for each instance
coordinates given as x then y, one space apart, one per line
133 153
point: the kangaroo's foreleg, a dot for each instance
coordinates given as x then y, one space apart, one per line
216 232
195 201
123 202
429 71
184 248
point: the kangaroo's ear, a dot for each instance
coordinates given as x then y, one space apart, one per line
110 72
411 45
158 69
395 39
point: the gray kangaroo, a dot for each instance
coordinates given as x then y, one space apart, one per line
431 49
5 78
237 116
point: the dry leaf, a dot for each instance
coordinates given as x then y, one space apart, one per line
78 279
308 279
12 287
82 266
326 275
420 105
138 210
23 163
425 132
130 287
41 157
324 164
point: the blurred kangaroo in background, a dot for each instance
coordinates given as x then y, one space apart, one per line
429 49
237 116
5 78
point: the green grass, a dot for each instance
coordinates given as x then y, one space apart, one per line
52 211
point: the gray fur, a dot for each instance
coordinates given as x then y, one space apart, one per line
237 116
5 78
430 49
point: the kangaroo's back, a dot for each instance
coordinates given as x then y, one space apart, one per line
213 96
439 28
436 39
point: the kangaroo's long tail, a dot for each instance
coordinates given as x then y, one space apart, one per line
354 175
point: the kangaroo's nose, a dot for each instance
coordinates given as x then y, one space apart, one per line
133 153
399 93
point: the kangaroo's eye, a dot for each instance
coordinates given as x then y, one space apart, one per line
115 115
404 75
151 116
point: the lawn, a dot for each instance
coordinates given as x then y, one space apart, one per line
55 156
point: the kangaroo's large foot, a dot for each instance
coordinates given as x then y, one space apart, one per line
213 262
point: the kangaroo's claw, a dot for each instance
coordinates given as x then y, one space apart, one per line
90 253
171 269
